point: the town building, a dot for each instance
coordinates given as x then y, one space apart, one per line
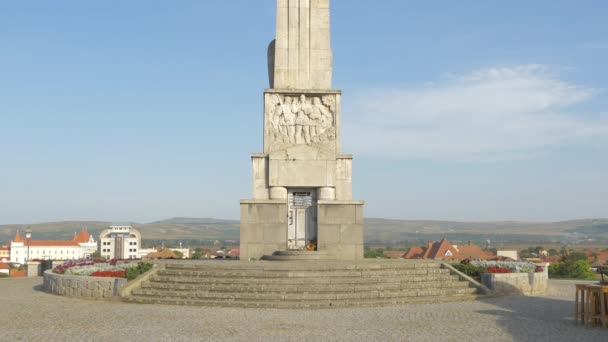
444 250
508 254
5 269
5 254
24 249
120 242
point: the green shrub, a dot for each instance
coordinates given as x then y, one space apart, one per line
136 271
574 256
3 275
574 269
374 254
556 270
470 270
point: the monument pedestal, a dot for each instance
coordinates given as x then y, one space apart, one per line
340 225
264 229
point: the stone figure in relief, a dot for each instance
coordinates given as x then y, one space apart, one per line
283 120
302 120
318 118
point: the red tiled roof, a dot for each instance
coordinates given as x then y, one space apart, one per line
438 250
601 259
83 237
4 266
415 253
52 243
472 251
393 254
17 237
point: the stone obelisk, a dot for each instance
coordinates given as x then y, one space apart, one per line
302 184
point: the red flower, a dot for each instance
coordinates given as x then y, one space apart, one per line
109 274
494 269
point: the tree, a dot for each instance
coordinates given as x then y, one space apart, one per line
553 252
96 255
575 256
579 269
524 253
198 253
179 254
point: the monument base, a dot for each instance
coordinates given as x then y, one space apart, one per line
340 226
264 228
296 255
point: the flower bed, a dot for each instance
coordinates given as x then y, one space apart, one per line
512 266
102 268
475 269
507 277
93 279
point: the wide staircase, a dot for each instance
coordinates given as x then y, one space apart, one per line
268 284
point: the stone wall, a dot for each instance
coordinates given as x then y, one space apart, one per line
514 283
82 287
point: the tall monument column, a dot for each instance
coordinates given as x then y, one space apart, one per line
303 58
302 184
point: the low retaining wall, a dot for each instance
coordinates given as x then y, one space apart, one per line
522 283
82 287
463 277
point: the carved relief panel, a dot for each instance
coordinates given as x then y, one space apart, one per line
300 119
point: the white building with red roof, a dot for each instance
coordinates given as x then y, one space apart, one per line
81 246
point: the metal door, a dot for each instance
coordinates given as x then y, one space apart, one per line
301 225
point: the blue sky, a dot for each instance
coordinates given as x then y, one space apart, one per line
144 110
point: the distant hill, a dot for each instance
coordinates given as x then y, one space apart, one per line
383 230
376 230
194 221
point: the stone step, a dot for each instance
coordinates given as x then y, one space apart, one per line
308 296
302 281
282 288
301 266
311 284
298 256
297 304
299 274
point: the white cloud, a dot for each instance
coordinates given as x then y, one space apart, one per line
488 114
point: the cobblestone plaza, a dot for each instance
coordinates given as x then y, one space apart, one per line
32 315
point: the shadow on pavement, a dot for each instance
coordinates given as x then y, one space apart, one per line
540 318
